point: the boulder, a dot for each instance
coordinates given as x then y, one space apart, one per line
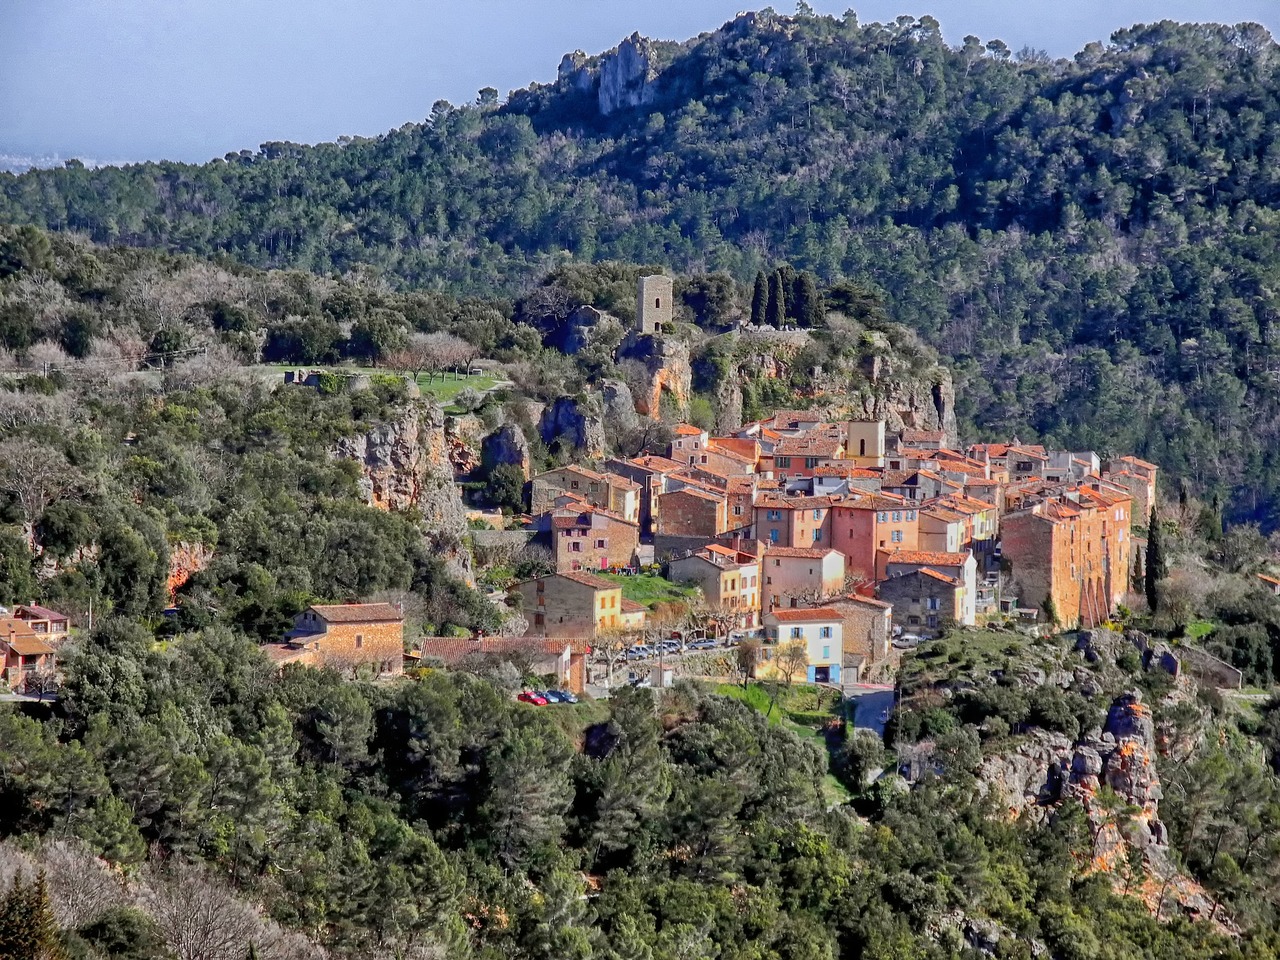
619 407
575 422
506 446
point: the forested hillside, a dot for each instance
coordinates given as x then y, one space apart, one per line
1093 241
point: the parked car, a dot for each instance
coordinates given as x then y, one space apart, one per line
532 696
908 641
563 696
640 651
553 696
703 645
670 646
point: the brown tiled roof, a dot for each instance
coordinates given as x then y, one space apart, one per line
697 491
808 553
928 558
283 653
588 580
923 436
858 598
930 572
656 464
799 614
745 448
688 430
623 483
357 612
1141 463
807 447
31 611
27 646
630 606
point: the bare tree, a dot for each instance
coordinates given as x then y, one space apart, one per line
35 474
792 656
611 646
748 656
197 916
81 886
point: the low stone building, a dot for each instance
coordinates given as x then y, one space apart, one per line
867 634
730 580
584 537
572 605
349 637
620 495
924 600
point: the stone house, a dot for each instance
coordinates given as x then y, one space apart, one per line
924 599
345 637
730 580
820 629
572 605
867 634
651 473
692 511
796 576
584 537
961 567
799 457
27 656
620 495
1138 479
1070 552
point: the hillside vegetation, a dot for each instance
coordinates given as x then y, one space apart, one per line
1092 241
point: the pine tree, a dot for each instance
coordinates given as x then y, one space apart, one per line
1155 561
775 314
759 299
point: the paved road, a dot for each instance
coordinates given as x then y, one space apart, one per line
872 704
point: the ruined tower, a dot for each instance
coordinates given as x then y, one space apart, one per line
653 304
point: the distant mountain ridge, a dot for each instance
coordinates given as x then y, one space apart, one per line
1093 241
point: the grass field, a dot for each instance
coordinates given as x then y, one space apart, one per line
445 389
649 589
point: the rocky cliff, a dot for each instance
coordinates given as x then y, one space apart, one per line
623 78
576 423
405 465
664 369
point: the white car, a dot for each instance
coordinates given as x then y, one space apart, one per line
908 641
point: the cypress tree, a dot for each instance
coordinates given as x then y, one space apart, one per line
807 308
759 299
1155 561
775 314
1137 581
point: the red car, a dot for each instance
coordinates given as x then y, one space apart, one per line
530 696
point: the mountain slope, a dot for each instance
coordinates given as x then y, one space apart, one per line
1091 240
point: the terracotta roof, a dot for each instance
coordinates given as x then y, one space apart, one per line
930 572
808 553
878 502
923 436
928 558
630 606
738 556
1269 579
807 447
357 612
1141 463
655 463
800 615
688 430
849 471
283 653
624 482
745 448
33 611
859 598
27 646
587 580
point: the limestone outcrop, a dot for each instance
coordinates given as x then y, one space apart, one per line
576 422
506 446
405 464
667 371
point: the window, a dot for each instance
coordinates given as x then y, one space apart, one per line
824 633
359 640
933 603
773 535
882 517
797 633
897 516
777 563
773 515
817 514
826 653
782 461
576 546
896 536
539 619
704 458
817 536
914 621
600 544
810 462
911 514
657 302
933 622
573 484
862 448
737 510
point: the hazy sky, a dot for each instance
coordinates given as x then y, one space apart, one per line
194 79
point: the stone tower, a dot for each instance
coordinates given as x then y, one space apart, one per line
653 304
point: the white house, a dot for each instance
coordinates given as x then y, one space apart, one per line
821 629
